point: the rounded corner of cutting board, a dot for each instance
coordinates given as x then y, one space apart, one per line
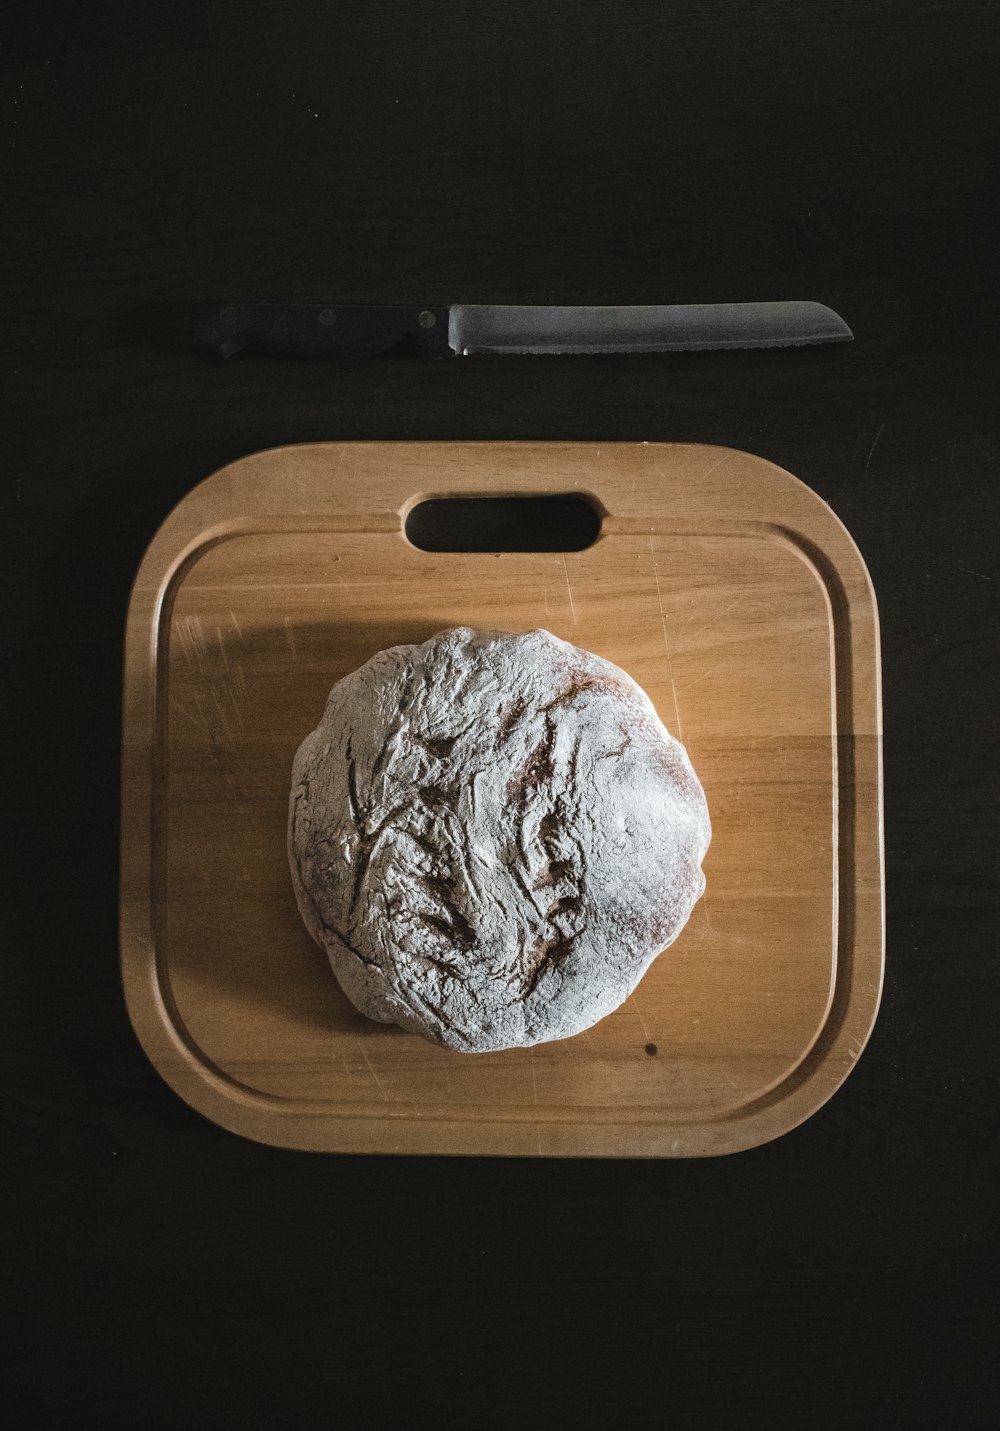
288 489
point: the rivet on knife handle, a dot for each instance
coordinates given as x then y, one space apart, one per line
321 330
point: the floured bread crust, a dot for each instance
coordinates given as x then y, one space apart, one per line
493 836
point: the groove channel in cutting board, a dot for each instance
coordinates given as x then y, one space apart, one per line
751 626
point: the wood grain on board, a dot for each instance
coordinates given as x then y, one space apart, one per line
725 587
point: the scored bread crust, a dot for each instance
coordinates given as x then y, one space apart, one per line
493 835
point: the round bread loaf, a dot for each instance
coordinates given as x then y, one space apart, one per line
493 836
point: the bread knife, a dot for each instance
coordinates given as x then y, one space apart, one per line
348 330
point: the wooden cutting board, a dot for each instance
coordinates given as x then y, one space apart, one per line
730 592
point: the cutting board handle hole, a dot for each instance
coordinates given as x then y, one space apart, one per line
503 524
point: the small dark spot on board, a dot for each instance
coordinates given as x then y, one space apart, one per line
651 1049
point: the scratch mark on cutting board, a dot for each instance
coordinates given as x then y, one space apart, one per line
222 719
371 1070
666 642
569 590
192 641
290 638
233 618
718 616
237 709
709 470
703 675
222 648
182 710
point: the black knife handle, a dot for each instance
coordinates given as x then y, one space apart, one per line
321 330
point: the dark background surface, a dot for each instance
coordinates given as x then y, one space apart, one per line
165 1273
